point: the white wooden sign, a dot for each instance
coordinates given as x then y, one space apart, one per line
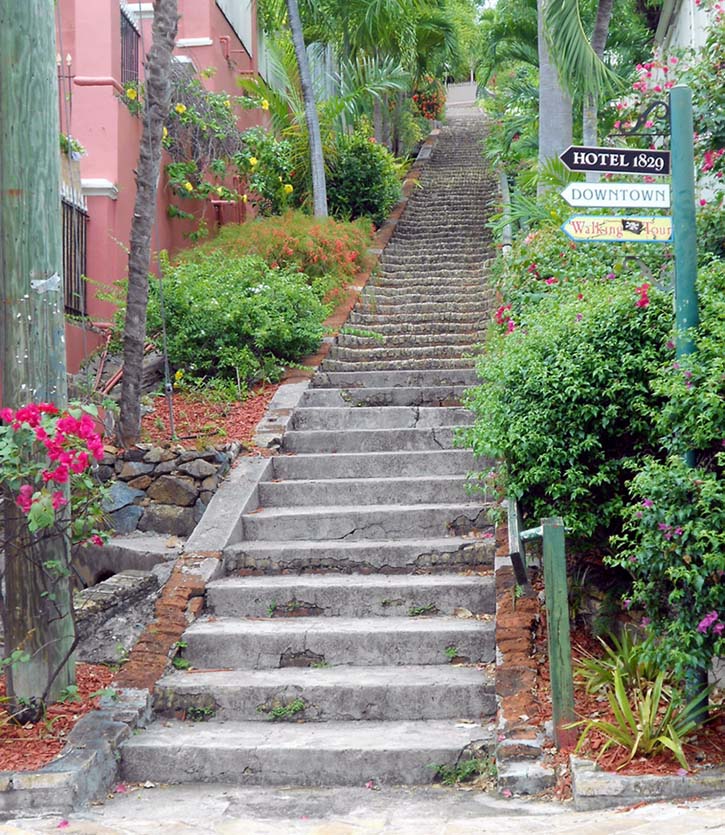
617 195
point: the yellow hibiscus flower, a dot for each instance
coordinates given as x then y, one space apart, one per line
131 94
180 109
188 186
288 188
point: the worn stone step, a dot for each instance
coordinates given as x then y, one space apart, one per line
462 340
376 464
331 694
380 417
258 644
403 556
392 353
374 320
315 398
354 491
366 522
308 754
396 365
356 596
369 440
436 376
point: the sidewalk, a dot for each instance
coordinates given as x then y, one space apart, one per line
223 810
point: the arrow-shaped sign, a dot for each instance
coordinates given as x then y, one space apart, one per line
622 229
616 195
617 160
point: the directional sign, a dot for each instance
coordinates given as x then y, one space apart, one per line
622 229
617 160
616 195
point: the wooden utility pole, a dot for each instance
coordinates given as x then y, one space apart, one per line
37 605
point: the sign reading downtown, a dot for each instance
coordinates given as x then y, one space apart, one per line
642 229
616 160
616 195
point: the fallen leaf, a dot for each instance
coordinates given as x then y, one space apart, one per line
462 612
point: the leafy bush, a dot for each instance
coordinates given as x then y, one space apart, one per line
267 164
236 317
317 247
363 178
566 401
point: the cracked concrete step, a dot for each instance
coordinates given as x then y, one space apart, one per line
370 440
397 365
380 417
413 396
355 596
375 464
371 321
354 491
462 340
365 522
258 644
425 328
470 306
332 694
310 754
386 353
402 556
392 379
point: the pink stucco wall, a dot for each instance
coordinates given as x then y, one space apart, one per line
90 33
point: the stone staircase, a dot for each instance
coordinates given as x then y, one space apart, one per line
353 638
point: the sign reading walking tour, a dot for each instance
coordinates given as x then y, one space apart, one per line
642 229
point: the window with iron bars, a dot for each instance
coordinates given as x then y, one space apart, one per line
129 49
74 220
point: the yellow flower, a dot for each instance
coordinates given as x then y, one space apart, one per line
227 103
179 374
288 188
131 94
220 190
164 132
180 109
253 162
264 105
188 186
244 198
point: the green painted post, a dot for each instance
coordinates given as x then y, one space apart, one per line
36 609
558 637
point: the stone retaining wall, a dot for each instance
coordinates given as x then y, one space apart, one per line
162 489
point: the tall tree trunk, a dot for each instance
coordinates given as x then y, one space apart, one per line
555 116
36 608
156 109
317 159
590 110
378 119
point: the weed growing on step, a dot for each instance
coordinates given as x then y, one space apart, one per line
200 714
362 333
466 771
452 652
319 665
180 663
272 609
420 611
278 711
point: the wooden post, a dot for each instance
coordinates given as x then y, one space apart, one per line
37 605
558 637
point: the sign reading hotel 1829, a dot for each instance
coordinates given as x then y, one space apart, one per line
616 160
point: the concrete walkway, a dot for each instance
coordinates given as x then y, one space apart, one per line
225 810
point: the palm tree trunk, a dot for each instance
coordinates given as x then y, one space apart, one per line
555 116
590 111
317 159
156 109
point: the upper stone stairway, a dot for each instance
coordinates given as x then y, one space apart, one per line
354 638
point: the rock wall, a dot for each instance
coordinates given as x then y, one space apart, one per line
162 489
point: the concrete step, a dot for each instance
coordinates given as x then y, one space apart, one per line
369 440
380 417
374 320
436 376
481 307
413 396
259 644
459 339
375 464
309 754
396 365
356 596
331 694
354 491
402 556
428 353
366 522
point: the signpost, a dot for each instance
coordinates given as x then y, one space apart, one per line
623 229
617 195
616 160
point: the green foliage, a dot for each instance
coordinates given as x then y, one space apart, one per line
622 655
278 711
196 713
236 317
464 771
267 164
69 694
422 611
646 721
180 663
566 401
363 178
451 652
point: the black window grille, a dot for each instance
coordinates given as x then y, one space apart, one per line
75 219
129 50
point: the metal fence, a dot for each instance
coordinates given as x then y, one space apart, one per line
129 49
74 220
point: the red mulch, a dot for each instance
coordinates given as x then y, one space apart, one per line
31 746
196 418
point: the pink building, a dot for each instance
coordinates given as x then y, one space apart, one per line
101 45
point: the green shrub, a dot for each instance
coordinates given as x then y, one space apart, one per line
266 162
566 402
236 317
363 179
